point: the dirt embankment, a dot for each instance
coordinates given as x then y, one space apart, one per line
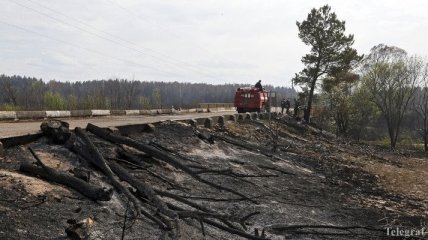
312 187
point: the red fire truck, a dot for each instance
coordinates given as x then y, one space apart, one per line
250 99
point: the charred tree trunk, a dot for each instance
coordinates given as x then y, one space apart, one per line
141 187
158 154
57 131
94 156
87 190
245 145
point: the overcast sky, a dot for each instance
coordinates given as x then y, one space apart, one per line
217 41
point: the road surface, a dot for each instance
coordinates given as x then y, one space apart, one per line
10 129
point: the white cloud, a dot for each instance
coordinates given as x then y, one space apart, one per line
213 41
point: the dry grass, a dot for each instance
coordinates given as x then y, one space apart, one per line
239 129
407 176
32 185
410 178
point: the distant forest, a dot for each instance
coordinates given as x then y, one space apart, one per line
28 93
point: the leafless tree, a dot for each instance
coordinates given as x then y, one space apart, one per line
392 78
420 106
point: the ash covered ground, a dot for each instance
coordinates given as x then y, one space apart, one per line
312 186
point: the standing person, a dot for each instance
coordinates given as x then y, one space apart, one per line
287 106
305 114
283 105
259 85
296 108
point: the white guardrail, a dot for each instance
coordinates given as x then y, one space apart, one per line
16 115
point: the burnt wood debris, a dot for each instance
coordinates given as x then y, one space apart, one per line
118 159
146 200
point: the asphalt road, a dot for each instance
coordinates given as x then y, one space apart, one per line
10 129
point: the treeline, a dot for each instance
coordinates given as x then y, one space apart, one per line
387 96
27 93
383 94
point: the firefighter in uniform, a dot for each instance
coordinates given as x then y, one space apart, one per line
259 85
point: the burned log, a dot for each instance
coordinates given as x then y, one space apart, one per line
90 191
82 173
224 228
172 152
141 187
91 154
56 130
181 199
144 161
192 204
245 145
161 155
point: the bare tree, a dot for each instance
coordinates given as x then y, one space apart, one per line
392 78
420 106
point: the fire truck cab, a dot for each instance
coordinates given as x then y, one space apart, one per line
250 99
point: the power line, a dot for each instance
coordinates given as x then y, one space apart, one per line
157 23
77 27
106 33
79 47
106 38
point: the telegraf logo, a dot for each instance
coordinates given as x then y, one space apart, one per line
406 233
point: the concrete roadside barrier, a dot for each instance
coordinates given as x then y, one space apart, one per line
100 112
200 121
166 111
6 115
58 114
144 112
208 123
254 115
132 112
215 119
241 116
31 114
154 111
193 122
81 113
221 122
233 117
12 115
118 112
